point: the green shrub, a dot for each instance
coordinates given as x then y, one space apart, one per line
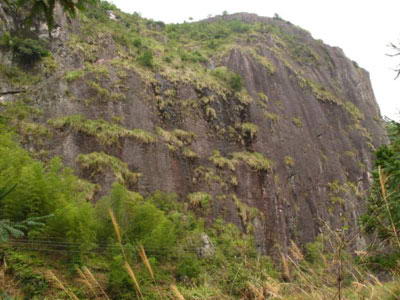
74 75
165 201
99 163
106 133
10 229
189 267
98 10
222 162
386 261
297 122
192 56
233 80
39 192
238 26
199 199
212 44
74 223
289 161
255 160
146 59
42 191
248 130
121 202
141 221
137 42
151 228
5 40
207 31
315 250
119 283
33 283
105 5
25 51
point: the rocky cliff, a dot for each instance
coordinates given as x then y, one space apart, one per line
279 150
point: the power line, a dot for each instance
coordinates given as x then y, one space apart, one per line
51 246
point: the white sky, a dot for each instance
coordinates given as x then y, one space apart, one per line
362 28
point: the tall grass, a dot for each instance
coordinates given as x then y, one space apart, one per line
325 271
92 280
85 280
145 260
127 266
176 292
383 178
61 285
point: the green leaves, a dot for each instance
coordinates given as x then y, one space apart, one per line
146 59
6 190
9 229
383 215
44 9
25 51
233 80
140 221
49 190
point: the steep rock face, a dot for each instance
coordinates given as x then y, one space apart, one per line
288 153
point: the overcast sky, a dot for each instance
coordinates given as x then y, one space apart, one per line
362 28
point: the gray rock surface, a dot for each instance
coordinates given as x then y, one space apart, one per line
321 150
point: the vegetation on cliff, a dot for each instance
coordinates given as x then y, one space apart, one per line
79 242
89 234
82 234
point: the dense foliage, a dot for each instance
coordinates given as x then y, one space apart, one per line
43 190
45 10
25 51
383 215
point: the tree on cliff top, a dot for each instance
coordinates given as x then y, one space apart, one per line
44 9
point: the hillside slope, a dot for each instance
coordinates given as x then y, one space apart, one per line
279 150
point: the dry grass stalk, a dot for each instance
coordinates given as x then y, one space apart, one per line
257 292
94 281
382 180
382 286
2 272
285 268
272 289
146 261
62 286
127 266
308 280
176 292
116 226
376 279
358 286
296 252
2 277
86 281
134 279
117 231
